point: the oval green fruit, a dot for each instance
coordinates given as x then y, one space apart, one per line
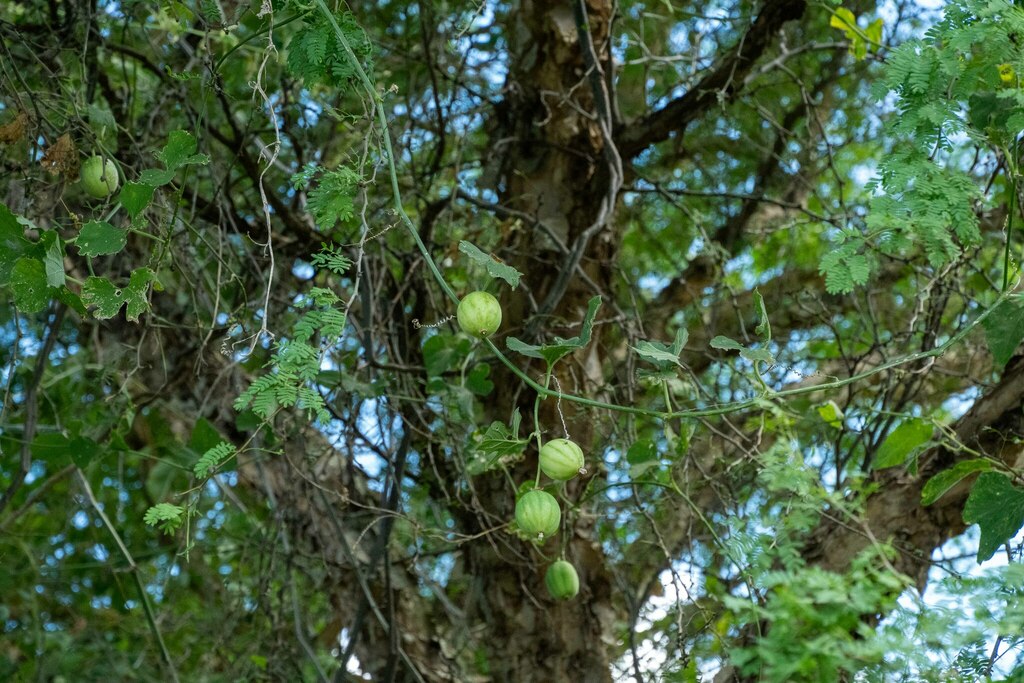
479 314
562 581
538 514
561 459
99 177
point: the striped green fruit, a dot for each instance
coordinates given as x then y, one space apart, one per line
561 459
562 581
538 514
99 177
479 314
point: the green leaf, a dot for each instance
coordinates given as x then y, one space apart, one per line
642 456
843 20
947 479
204 436
101 117
165 515
764 327
874 32
519 346
71 300
212 459
552 353
83 451
135 197
315 55
99 238
13 244
29 285
844 268
498 442
904 441
494 267
108 298
180 151
331 258
755 355
859 47
332 201
54 261
832 414
725 343
477 382
155 177
52 448
1004 329
997 507
442 352
662 354
59 449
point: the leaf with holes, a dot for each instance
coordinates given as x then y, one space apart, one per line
29 285
107 298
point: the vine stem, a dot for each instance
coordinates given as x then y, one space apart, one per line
378 106
722 409
1011 173
134 570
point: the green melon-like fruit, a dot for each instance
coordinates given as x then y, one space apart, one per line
561 459
479 314
99 177
538 514
562 581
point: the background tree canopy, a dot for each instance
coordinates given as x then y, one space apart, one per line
759 260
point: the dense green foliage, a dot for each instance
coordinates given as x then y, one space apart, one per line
759 260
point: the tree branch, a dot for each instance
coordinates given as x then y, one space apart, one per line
722 84
993 426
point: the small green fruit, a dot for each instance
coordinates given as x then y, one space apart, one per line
99 177
479 314
561 459
562 581
538 514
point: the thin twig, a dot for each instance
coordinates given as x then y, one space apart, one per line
134 569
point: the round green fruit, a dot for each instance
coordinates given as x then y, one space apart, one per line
479 314
561 459
99 177
538 514
562 581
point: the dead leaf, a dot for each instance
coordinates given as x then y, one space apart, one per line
14 130
61 157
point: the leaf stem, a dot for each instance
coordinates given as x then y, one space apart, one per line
536 422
